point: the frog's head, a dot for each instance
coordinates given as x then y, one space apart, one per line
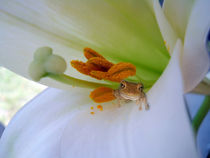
130 90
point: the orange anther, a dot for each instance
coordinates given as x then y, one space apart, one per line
117 69
90 53
92 113
116 73
81 67
102 94
99 75
97 63
100 68
121 71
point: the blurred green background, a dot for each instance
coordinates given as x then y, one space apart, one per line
15 91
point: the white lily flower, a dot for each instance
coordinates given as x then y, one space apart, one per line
58 123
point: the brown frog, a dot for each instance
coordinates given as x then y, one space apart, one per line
129 91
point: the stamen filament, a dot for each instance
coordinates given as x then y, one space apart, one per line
78 82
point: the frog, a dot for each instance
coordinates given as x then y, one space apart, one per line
129 91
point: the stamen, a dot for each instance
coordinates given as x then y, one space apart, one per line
99 75
102 94
116 73
90 53
81 67
97 63
46 64
91 107
121 71
100 68
77 82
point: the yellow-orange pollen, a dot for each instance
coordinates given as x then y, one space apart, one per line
92 113
100 68
100 107
167 46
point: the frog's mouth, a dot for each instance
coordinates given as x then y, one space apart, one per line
130 97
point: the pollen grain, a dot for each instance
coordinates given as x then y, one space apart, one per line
100 107
92 113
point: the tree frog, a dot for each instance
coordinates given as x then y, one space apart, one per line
129 91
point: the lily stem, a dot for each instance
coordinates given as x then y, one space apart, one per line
202 112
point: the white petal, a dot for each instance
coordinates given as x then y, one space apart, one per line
169 35
35 131
119 32
53 125
163 131
203 137
195 58
177 13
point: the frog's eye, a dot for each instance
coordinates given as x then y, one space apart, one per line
140 87
122 85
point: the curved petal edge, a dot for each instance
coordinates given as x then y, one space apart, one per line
195 62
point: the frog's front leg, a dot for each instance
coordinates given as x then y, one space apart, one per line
139 102
144 100
119 102
118 97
